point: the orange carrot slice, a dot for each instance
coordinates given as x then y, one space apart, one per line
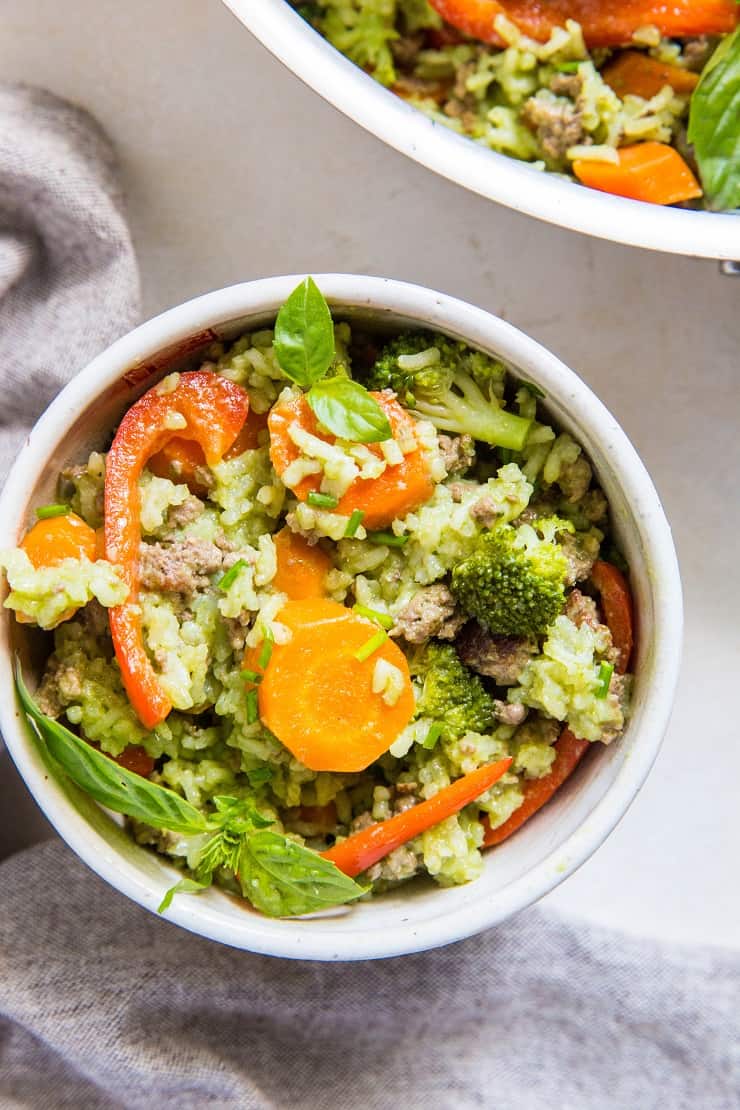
397 491
180 459
57 538
316 696
361 850
652 172
301 567
539 791
604 24
632 73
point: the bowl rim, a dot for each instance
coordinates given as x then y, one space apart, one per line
504 180
446 313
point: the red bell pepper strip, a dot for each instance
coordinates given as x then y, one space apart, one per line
603 23
202 407
538 791
361 850
616 601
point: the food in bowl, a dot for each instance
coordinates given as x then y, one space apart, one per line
334 610
635 98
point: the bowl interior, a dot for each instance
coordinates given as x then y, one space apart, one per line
421 915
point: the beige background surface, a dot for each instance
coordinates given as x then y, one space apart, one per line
234 170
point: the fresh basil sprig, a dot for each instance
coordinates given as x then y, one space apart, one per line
278 876
304 335
284 879
348 410
113 786
304 347
714 125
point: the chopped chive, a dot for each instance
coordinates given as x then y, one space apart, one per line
266 650
371 646
252 708
567 67
431 738
354 522
322 500
45 512
259 775
373 615
252 676
387 538
229 578
606 670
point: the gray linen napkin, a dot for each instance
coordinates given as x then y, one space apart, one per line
68 278
105 1006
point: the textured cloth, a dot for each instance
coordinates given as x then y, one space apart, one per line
105 1005
68 278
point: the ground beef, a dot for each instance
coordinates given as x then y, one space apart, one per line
458 490
399 865
509 713
181 567
696 52
581 550
484 511
594 506
179 516
575 478
581 609
501 658
431 612
558 125
566 84
458 453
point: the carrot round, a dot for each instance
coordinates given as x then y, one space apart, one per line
317 697
603 24
616 601
197 405
361 850
397 491
539 791
633 73
301 567
57 538
180 459
653 172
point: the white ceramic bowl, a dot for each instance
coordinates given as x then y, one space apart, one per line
552 845
503 179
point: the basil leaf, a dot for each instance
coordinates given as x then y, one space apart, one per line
346 409
282 879
304 335
714 125
185 886
113 786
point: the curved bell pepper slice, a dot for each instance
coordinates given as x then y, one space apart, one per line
198 406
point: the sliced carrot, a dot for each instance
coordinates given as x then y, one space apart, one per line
397 491
59 537
539 791
652 172
633 73
179 460
301 567
604 24
317 697
616 601
361 850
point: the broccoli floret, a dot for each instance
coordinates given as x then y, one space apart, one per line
451 694
514 581
458 389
